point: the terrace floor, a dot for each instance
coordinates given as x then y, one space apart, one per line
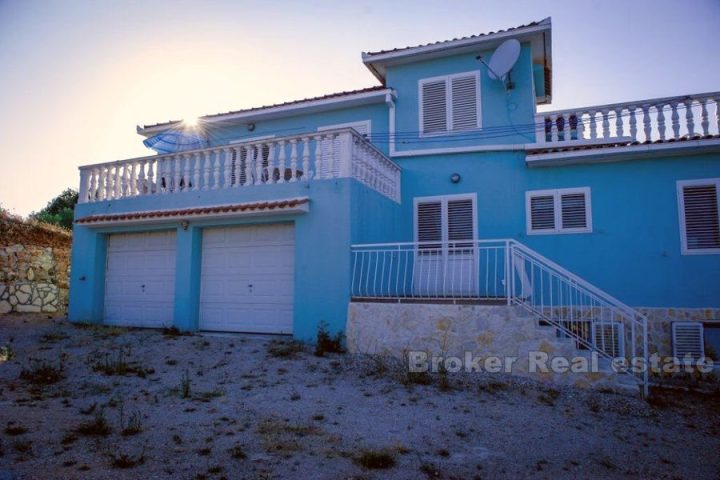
257 407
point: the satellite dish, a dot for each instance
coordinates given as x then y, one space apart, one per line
503 60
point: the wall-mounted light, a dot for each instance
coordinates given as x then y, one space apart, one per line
184 224
455 178
250 127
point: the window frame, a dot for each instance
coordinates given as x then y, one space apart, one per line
444 222
557 194
448 103
681 184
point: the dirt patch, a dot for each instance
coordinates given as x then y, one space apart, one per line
250 407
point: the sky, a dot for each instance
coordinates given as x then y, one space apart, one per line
77 76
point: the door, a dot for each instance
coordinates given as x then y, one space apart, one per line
247 279
446 259
140 279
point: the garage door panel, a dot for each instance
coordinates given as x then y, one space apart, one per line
233 259
140 279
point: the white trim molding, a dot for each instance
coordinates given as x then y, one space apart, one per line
557 195
681 184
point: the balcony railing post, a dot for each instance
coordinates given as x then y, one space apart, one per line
84 185
508 272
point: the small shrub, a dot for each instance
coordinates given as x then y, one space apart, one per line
285 348
99 426
173 332
134 425
493 386
13 429
22 446
209 395
124 460
6 353
204 452
549 397
53 337
327 343
215 469
237 452
69 438
375 459
117 364
185 385
42 372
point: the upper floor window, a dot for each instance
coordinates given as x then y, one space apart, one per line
564 210
698 208
450 103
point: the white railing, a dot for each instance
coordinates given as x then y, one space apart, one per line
508 271
301 158
439 270
643 121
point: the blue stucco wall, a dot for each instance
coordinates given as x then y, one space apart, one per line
504 113
297 124
633 252
322 263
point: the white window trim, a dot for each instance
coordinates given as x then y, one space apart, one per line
448 103
444 199
364 123
557 194
681 214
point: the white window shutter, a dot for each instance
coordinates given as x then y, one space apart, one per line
429 223
573 213
460 220
688 339
434 106
702 220
542 212
464 103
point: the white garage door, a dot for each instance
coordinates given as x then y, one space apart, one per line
247 279
140 279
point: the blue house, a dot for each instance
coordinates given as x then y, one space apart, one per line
445 208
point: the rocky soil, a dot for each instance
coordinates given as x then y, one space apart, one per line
99 402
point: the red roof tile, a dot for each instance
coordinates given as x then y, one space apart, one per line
199 211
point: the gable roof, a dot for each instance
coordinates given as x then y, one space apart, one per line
323 102
538 33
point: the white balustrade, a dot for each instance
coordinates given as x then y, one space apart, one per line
687 117
333 154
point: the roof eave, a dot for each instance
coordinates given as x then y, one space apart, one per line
365 98
377 62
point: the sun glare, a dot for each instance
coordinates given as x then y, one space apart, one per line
191 122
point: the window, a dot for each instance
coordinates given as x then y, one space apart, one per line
558 211
445 219
450 103
698 207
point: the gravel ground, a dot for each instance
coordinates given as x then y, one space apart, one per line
228 407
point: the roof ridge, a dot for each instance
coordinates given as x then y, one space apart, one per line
544 21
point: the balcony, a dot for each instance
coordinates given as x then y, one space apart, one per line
683 123
341 153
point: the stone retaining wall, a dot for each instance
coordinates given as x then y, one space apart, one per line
34 267
484 331
660 325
